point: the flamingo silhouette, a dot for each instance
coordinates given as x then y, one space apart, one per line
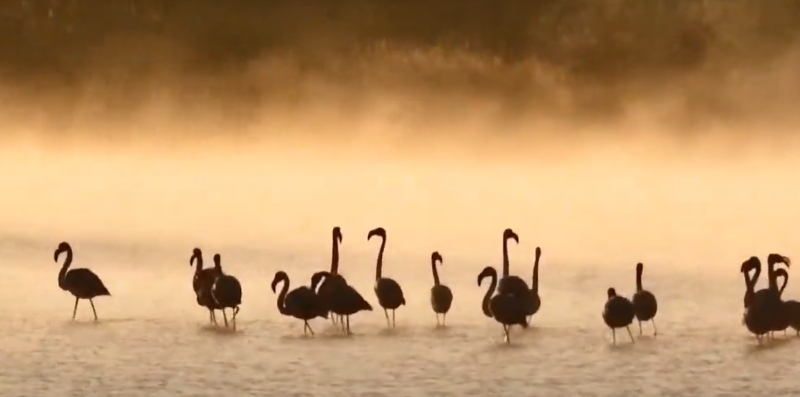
345 302
301 303
534 301
330 283
644 302
506 309
618 313
201 283
441 296
81 283
390 295
511 284
767 302
757 314
226 292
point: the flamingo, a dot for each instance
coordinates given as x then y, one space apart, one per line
81 283
335 280
390 295
756 316
301 303
506 309
226 292
618 313
534 301
644 302
511 284
441 296
202 281
345 302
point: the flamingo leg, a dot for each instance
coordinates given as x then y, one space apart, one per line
444 318
393 323
75 309
630 334
655 330
348 326
640 328
614 335
235 312
93 311
386 313
506 330
437 319
309 328
225 316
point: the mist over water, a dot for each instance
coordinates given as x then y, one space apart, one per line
607 133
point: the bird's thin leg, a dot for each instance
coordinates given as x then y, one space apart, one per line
386 313
393 323
614 335
506 329
437 320
630 334
235 312
444 318
640 328
210 316
309 328
305 328
225 316
93 311
348 326
75 309
655 330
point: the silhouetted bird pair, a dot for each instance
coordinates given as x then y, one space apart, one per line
619 311
329 294
214 289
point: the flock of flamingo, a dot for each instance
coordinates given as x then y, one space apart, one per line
508 300
765 310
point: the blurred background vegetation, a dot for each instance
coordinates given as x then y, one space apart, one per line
582 42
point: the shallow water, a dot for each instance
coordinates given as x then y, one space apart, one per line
153 340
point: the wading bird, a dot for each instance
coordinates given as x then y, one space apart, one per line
441 296
81 283
618 313
301 303
390 295
201 283
226 292
644 302
506 309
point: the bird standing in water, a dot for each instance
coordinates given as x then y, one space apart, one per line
81 283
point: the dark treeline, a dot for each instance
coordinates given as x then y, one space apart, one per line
584 36
586 41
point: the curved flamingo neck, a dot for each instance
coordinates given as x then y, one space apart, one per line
282 296
62 274
335 256
435 272
771 278
379 263
748 283
199 267
506 264
756 276
639 271
485 306
785 281
535 281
